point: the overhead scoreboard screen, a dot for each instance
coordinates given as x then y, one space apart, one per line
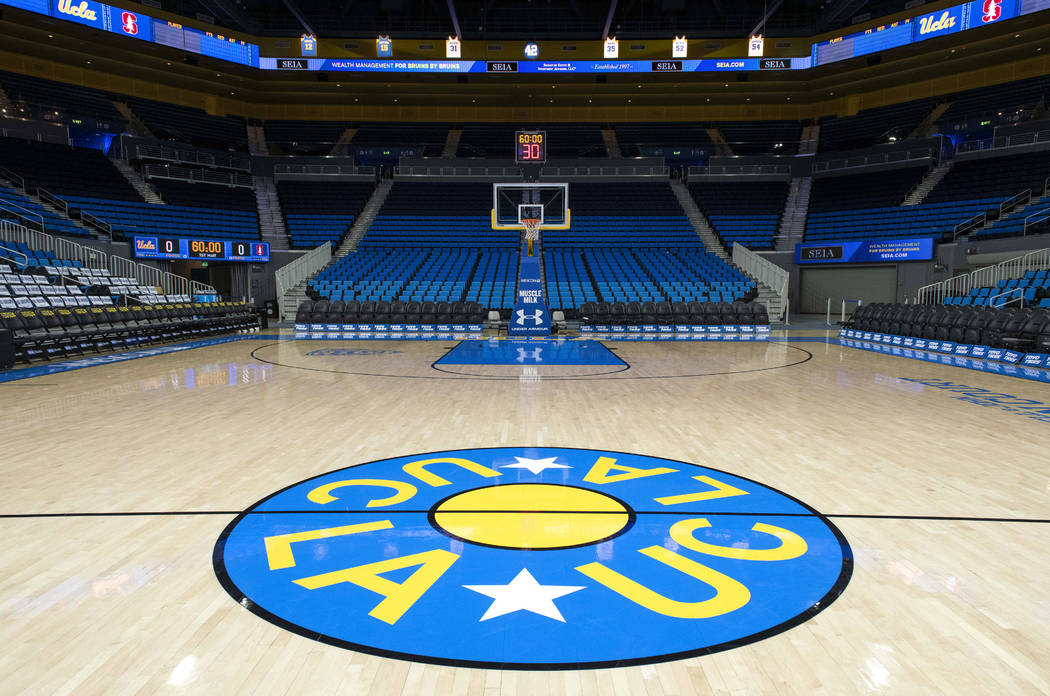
950 20
530 147
200 249
137 25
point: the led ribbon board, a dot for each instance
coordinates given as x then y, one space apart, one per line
955 19
202 249
140 26
875 250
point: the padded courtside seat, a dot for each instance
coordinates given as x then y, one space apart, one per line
618 313
319 315
397 312
351 310
413 312
335 312
680 310
633 313
442 313
428 313
588 311
305 311
366 312
649 313
759 314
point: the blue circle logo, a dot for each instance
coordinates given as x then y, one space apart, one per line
533 558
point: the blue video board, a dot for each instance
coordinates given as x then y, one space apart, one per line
140 26
950 20
958 18
867 251
200 249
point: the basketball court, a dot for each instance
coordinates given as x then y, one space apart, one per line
269 515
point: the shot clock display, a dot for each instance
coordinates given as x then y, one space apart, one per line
206 249
530 147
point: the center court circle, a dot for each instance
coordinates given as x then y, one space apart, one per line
533 558
531 516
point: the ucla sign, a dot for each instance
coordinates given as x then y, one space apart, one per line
553 558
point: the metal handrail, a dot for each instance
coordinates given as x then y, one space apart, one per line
969 225
291 170
421 170
165 171
872 159
291 274
192 156
52 200
15 180
98 223
1032 219
764 271
1005 141
23 213
999 305
739 170
1024 197
93 258
614 171
989 276
9 250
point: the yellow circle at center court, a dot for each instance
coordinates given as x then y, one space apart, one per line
532 516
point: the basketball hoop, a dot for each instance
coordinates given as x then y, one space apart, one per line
532 231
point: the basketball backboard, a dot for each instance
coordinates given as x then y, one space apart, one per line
513 204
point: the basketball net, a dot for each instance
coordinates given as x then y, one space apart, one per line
532 231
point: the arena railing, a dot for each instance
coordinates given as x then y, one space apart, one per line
967 226
739 170
192 156
847 162
52 200
987 277
28 217
1034 219
1005 141
614 171
290 171
291 274
208 176
764 271
90 257
436 170
14 179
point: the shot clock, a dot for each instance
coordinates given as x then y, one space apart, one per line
530 147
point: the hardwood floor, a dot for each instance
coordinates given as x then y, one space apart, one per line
119 480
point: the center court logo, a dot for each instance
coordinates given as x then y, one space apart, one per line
526 558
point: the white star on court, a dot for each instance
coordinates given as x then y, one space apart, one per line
523 593
535 465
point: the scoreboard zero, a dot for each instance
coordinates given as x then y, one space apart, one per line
530 147
202 249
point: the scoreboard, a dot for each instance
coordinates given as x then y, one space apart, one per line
530 147
200 249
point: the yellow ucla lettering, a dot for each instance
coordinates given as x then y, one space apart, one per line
279 547
721 490
402 491
730 594
791 544
417 470
81 10
599 473
398 597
